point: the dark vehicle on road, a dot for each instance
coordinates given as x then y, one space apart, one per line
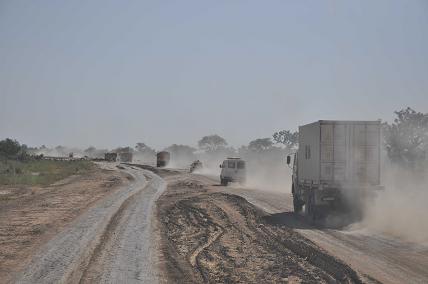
196 165
162 159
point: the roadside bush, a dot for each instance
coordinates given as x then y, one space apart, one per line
406 139
11 150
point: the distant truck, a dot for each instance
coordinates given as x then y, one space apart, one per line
337 166
125 157
110 157
162 159
232 170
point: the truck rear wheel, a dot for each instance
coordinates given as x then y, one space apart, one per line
224 182
310 210
297 204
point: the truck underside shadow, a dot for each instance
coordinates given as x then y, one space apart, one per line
294 220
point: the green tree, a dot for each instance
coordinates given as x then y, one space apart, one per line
287 138
260 144
90 151
143 148
183 150
212 143
10 148
406 139
182 155
123 150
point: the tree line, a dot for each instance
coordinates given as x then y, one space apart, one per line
405 141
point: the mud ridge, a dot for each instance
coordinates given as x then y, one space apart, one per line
214 237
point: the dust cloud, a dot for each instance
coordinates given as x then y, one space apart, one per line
266 171
400 210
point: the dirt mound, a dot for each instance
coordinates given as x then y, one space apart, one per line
215 237
189 184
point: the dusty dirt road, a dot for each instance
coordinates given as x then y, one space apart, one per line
386 259
110 243
200 232
380 257
210 234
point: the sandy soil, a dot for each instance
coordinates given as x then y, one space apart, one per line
113 241
30 216
375 256
105 228
210 235
128 252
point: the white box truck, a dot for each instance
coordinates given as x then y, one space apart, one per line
337 166
233 170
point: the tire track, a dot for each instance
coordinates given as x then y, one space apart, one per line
132 256
213 237
375 256
93 270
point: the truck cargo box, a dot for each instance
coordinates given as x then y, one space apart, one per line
339 152
125 157
163 158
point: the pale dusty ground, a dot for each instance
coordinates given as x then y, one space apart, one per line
106 228
379 256
30 217
113 241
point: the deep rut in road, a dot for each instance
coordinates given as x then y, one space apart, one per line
93 271
215 237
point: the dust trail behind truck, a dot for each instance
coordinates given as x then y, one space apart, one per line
337 166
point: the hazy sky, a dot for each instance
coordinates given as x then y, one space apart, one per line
103 73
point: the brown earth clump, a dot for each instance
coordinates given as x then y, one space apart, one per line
215 237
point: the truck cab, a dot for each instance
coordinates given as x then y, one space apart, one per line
233 170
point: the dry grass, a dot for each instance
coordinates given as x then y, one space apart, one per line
39 172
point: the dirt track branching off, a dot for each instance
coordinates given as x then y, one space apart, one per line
214 237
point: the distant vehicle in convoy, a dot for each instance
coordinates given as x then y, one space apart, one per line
337 166
196 165
110 157
162 159
233 170
125 157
